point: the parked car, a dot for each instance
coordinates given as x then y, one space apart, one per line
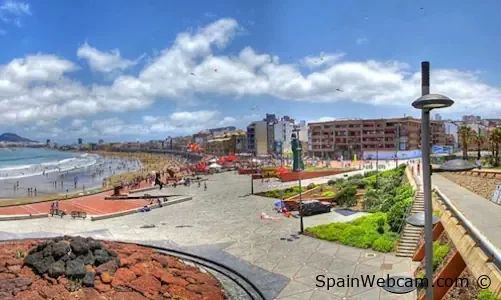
315 207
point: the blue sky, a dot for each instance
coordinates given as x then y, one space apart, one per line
126 70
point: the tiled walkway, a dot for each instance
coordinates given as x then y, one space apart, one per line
227 218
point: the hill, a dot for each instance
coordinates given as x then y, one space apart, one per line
14 138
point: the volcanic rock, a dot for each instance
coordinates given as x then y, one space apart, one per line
88 279
75 268
57 269
101 256
60 249
79 245
111 267
42 266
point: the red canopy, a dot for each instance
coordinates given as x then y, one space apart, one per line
281 170
231 158
220 161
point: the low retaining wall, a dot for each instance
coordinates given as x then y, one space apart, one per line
294 176
137 210
23 217
475 258
483 173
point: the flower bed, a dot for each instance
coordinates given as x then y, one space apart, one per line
83 268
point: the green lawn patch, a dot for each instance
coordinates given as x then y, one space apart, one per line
387 197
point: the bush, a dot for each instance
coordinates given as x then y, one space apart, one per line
311 186
328 194
487 295
346 196
439 253
396 215
384 244
331 182
359 183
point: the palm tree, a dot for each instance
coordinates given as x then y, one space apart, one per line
479 139
495 139
466 135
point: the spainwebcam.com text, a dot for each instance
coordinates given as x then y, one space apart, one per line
323 281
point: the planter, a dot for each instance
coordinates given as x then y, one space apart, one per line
437 231
294 176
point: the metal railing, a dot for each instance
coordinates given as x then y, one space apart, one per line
487 247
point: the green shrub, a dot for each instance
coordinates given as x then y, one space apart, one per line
440 251
331 182
359 183
346 196
384 244
328 194
311 186
487 295
396 215
357 176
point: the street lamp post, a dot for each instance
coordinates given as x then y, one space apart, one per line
426 103
397 145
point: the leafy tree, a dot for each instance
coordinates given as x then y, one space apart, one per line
495 139
479 139
466 135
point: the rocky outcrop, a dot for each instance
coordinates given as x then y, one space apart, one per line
83 268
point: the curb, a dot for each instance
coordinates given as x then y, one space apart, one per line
23 217
137 210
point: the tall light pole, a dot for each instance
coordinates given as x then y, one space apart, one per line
426 103
299 170
397 145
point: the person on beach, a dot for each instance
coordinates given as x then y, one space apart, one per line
205 186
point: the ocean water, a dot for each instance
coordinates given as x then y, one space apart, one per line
55 172
25 162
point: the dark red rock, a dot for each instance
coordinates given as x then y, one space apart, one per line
147 285
122 277
169 279
111 267
175 290
128 296
28 295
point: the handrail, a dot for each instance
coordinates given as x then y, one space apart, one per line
484 244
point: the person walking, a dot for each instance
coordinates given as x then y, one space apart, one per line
205 186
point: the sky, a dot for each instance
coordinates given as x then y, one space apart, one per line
141 70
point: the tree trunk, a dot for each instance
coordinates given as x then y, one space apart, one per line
478 151
497 154
465 152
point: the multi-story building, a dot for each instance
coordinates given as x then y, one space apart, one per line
227 144
347 137
257 137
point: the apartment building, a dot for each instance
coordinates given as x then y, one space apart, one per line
348 137
227 144
257 137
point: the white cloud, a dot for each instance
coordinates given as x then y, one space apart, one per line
40 87
11 12
323 59
362 40
16 8
104 61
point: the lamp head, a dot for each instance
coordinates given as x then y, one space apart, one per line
432 101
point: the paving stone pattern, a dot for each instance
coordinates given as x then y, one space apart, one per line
224 223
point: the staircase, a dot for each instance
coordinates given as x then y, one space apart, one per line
410 236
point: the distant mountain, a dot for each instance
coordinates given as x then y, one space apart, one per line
14 138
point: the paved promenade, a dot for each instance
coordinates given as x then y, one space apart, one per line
224 223
481 212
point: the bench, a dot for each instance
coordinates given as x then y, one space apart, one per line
78 214
57 212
